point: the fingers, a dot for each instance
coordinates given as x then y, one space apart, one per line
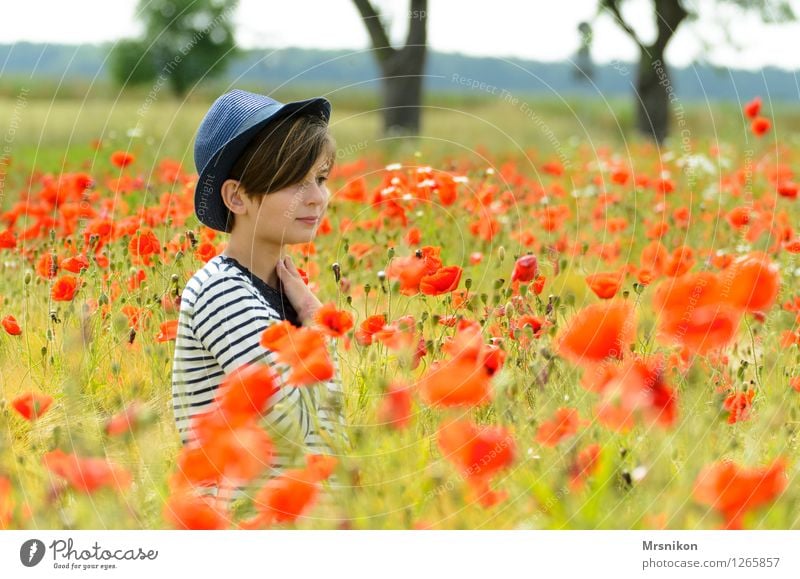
290 265
286 264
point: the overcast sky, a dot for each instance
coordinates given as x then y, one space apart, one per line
531 29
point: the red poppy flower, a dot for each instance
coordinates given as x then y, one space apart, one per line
32 405
136 316
739 405
127 420
86 474
788 189
186 510
205 251
740 217
303 349
638 390
598 332
122 158
368 328
75 264
694 312
584 465
734 490
321 465
7 239
288 496
526 269
754 283
752 108
444 280
477 452
332 321
400 335
47 266
760 125
236 454
6 503
408 271
395 408
64 288
167 331
455 382
11 326
605 285
564 424
144 243
244 394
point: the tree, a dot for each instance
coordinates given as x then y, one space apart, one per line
653 79
402 68
184 41
584 69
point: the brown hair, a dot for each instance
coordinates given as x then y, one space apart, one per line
280 155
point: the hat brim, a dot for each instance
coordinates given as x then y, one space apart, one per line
208 204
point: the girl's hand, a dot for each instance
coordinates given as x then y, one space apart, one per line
302 299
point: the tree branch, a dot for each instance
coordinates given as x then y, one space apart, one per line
613 7
377 34
669 15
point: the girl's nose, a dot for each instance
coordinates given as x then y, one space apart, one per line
318 195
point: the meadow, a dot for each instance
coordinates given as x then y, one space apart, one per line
554 324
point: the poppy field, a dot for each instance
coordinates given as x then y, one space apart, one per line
602 337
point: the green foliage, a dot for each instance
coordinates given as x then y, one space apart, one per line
185 41
132 63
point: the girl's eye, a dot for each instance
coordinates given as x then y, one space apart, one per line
321 179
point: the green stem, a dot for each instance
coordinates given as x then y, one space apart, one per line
753 346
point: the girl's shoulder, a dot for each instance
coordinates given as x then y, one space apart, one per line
216 275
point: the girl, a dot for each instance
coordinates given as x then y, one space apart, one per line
262 168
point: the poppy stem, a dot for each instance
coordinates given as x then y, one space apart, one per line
753 347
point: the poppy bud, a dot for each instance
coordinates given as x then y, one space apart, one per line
525 269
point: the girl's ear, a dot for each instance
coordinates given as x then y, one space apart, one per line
233 196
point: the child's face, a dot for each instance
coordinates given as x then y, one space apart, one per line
279 217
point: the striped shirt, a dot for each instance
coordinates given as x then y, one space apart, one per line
224 310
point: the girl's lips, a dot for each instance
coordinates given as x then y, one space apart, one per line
308 220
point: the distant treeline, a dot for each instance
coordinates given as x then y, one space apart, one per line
75 67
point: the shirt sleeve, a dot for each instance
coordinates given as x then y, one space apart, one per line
228 320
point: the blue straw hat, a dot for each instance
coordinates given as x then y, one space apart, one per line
229 125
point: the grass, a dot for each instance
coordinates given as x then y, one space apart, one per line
397 479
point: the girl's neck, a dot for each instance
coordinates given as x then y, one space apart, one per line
262 261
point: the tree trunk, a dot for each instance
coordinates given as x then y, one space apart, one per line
401 68
402 92
653 87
